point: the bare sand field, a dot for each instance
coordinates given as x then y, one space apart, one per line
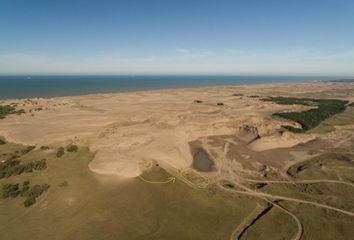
125 128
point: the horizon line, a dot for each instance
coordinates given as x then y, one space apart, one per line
185 74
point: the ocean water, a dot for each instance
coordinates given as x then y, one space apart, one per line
12 87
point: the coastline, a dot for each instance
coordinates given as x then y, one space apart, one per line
197 88
19 87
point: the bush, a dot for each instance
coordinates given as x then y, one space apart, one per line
2 142
72 148
34 193
29 201
63 184
8 167
10 190
39 164
27 149
31 194
19 112
25 188
10 162
8 109
12 166
44 148
60 152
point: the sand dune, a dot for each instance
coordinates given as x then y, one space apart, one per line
285 140
126 128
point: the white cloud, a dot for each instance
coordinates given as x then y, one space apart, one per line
182 51
295 60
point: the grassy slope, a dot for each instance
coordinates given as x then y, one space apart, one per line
336 166
322 224
89 208
275 225
341 119
336 195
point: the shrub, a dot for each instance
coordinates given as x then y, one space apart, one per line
60 152
27 149
39 164
31 194
63 184
19 112
72 148
8 109
29 201
10 190
2 142
44 148
34 193
10 162
25 188
7 167
12 166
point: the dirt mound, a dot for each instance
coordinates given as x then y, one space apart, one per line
284 140
248 133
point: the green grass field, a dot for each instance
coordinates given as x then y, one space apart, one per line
80 205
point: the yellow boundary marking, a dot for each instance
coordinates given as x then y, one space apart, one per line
192 184
169 179
172 179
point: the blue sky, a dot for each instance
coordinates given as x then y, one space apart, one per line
184 37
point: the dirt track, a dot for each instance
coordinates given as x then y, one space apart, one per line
266 197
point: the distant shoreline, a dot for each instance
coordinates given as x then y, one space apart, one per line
342 80
19 87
